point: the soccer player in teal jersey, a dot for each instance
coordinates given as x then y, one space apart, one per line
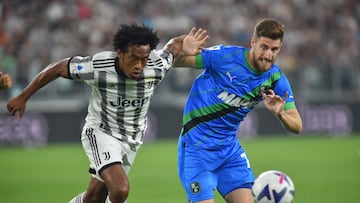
235 79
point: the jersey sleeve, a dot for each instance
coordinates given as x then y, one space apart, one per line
81 68
161 58
209 57
282 86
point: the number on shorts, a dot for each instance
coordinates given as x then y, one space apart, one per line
243 155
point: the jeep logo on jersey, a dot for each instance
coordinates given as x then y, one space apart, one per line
123 102
237 101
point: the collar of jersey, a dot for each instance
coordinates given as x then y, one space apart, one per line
246 56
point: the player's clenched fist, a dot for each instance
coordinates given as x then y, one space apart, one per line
5 81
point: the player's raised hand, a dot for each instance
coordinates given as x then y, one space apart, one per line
195 41
273 102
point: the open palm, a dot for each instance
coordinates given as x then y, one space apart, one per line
273 102
194 41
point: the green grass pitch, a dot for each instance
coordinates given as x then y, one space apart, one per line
324 170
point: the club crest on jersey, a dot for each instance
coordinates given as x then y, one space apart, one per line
264 89
195 187
149 85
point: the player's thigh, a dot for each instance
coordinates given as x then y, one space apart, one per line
236 172
196 173
241 195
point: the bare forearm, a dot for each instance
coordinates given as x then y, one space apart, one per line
50 73
184 61
291 120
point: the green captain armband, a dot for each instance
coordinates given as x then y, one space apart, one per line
199 62
289 105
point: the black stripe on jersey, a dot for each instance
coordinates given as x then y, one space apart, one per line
94 148
140 94
105 66
103 114
120 114
158 75
196 121
156 63
104 63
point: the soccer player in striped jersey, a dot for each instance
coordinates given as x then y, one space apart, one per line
122 83
235 79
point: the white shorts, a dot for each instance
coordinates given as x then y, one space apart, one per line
103 150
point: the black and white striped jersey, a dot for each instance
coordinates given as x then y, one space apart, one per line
117 104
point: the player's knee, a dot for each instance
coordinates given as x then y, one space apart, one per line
120 193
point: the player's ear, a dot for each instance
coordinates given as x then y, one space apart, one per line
118 51
252 41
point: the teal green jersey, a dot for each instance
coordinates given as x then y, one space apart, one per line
224 93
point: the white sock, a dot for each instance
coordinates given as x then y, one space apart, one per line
78 198
107 199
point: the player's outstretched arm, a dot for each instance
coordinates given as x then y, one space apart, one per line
290 118
17 104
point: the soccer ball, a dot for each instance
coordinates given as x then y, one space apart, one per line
273 187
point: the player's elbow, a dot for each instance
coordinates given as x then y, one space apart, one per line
297 129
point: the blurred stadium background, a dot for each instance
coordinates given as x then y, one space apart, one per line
321 57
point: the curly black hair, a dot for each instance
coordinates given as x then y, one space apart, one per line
135 34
